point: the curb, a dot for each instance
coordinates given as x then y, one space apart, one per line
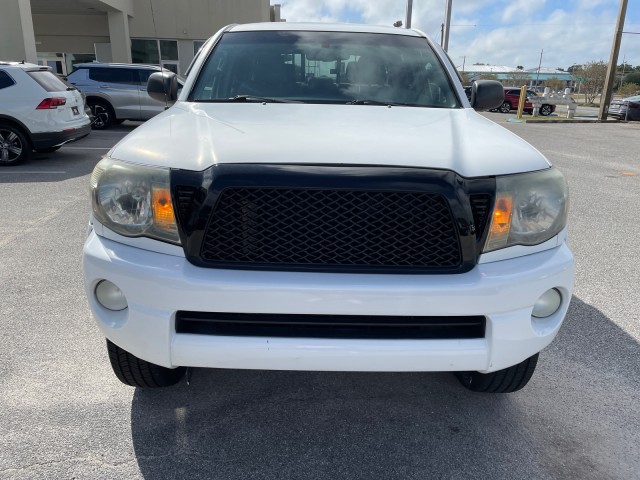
573 120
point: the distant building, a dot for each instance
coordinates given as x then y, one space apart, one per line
510 76
62 33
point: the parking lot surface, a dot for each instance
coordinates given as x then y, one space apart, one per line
65 415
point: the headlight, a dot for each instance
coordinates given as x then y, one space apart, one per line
530 208
134 200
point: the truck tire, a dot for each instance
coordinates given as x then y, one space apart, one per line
136 372
507 380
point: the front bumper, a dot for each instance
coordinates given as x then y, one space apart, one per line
158 285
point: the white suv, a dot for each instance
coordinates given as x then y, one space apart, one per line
325 197
38 111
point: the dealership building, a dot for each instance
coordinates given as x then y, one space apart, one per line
62 33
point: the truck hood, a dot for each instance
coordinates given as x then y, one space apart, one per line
195 136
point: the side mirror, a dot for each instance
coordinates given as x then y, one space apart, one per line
486 94
163 86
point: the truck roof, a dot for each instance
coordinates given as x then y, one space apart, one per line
324 27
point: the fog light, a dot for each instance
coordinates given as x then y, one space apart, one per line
548 304
110 296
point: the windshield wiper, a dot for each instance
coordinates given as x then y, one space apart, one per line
376 102
253 98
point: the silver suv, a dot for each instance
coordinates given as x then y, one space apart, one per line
116 91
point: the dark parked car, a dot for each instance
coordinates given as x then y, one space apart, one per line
512 96
626 108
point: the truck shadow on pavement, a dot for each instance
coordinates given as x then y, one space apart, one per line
235 424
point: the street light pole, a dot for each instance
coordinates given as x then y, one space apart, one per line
624 58
447 26
409 12
605 99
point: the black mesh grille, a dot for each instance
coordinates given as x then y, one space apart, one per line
342 228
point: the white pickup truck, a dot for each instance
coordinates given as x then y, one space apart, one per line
325 197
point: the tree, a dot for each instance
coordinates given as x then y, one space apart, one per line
555 84
592 76
488 76
628 90
518 78
573 68
633 77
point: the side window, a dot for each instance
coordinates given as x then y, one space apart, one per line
144 76
5 80
114 75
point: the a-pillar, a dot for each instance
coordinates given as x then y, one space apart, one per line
16 28
120 39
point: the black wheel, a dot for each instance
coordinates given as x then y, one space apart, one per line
508 380
14 145
505 107
136 372
47 150
545 110
103 115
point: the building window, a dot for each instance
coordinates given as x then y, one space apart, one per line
145 51
197 45
72 59
153 52
168 49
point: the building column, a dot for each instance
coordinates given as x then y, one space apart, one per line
120 39
18 40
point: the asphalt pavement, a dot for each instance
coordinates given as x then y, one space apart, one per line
65 415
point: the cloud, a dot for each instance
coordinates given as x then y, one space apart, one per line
506 32
521 9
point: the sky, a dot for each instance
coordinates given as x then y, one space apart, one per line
497 32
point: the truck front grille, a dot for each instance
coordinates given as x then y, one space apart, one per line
331 228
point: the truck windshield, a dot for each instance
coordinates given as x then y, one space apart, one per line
324 67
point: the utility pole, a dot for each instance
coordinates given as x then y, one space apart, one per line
605 99
446 26
409 12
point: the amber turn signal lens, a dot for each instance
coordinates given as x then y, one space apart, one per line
500 222
163 216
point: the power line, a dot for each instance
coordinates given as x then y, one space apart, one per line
539 25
